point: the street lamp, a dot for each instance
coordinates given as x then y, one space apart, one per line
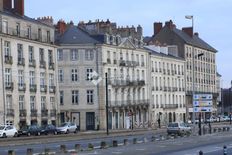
107 106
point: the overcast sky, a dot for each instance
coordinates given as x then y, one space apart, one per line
212 19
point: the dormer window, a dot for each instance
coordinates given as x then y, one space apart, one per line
17 29
118 40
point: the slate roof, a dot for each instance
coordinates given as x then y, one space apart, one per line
75 35
195 40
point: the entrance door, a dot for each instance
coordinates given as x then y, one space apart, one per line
90 120
76 119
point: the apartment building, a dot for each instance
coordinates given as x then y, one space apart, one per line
85 52
190 47
28 67
167 85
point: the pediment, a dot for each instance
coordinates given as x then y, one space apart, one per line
126 43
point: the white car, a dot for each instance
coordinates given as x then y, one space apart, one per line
67 127
8 131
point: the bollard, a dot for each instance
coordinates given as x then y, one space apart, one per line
224 150
29 151
200 153
115 143
125 141
77 147
62 148
135 141
11 152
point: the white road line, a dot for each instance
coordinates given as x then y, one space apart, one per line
140 149
116 152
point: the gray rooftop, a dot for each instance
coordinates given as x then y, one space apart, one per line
75 35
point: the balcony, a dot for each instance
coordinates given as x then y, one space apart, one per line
42 64
108 61
168 71
32 63
153 88
122 63
51 65
8 59
22 113
141 82
10 112
22 87
34 113
156 88
53 113
9 86
165 89
52 89
44 113
33 88
170 106
174 89
21 61
43 88
164 71
115 62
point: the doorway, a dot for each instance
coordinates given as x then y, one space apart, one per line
90 120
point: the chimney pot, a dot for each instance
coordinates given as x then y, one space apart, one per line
196 34
188 31
157 27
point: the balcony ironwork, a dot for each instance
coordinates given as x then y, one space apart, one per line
21 61
8 59
34 113
44 113
21 87
51 65
52 89
165 89
33 87
32 63
9 86
122 63
53 113
10 112
170 106
42 64
22 113
43 88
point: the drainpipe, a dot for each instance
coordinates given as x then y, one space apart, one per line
3 84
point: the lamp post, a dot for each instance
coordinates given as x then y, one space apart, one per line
107 106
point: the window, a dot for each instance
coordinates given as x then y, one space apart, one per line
89 71
48 37
9 102
50 57
142 60
7 48
60 75
59 54
73 54
42 79
74 75
8 77
61 97
90 96
28 34
18 29
41 55
51 80
32 102
89 55
21 102
75 96
20 51
4 26
20 78
31 53
52 102
43 102
32 77
39 34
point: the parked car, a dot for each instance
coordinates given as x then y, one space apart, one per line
212 119
226 118
30 130
49 129
178 128
67 127
8 131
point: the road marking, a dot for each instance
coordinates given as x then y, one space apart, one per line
140 149
116 152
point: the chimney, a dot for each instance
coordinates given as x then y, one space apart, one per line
19 7
7 4
157 27
61 26
46 20
188 31
1 5
196 34
170 24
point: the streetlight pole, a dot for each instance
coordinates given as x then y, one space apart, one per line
107 106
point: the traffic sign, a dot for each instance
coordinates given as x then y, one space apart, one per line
203 109
202 103
202 97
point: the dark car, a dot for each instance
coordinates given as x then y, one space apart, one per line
30 130
49 129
